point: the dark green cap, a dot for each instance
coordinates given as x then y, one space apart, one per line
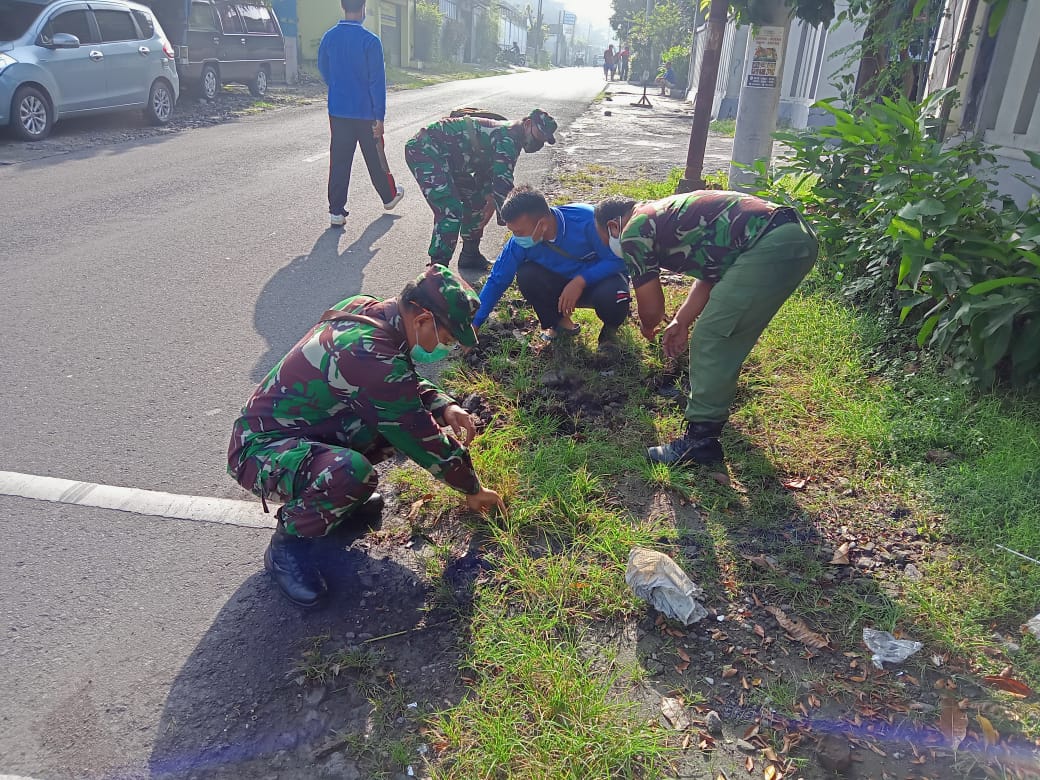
545 124
450 300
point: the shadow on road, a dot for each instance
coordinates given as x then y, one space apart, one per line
298 294
237 710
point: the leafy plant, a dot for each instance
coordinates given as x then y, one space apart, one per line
428 21
906 220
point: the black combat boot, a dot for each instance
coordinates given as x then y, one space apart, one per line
699 444
288 559
370 509
470 256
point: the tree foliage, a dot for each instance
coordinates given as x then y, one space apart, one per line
428 21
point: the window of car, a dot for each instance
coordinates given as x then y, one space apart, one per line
72 22
202 17
16 17
256 18
145 23
116 26
230 20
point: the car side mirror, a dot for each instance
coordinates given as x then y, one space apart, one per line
64 41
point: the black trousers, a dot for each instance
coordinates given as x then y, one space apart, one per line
347 135
541 288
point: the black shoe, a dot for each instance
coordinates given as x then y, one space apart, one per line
700 444
288 559
370 509
607 343
471 258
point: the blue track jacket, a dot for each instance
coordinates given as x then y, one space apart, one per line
582 254
350 59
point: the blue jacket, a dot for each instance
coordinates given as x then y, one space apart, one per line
576 236
350 59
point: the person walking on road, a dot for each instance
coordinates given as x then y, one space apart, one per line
609 62
464 167
623 57
747 257
560 264
350 59
346 397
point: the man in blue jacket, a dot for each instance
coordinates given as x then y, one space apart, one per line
350 59
560 263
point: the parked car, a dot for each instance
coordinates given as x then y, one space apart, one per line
222 42
61 58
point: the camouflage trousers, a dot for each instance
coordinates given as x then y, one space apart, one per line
456 202
319 484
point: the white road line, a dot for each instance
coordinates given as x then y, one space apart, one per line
316 157
142 502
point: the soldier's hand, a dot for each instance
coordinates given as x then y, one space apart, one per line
676 338
570 295
488 213
461 423
377 128
484 501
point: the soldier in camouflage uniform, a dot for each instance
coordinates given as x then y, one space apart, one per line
464 167
344 398
747 256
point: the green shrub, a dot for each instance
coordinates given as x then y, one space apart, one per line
428 21
908 221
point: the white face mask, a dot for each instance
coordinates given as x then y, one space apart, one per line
615 242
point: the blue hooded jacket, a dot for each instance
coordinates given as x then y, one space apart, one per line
350 59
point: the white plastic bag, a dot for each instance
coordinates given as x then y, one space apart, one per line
657 578
886 648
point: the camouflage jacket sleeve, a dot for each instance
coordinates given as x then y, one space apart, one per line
504 154
637 245
433 398
396 399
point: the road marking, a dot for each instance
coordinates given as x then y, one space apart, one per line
316 157
155 503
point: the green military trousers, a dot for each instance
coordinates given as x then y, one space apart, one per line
742 303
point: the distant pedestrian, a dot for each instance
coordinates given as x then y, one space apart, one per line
350 59
623 57
609 62
666 78
746 255
464 167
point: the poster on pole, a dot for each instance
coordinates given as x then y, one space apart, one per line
766 50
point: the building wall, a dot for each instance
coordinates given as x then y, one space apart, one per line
391 20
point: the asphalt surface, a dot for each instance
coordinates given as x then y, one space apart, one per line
147 287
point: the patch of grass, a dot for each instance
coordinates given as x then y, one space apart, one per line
725 127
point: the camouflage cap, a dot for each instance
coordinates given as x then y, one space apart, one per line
450 300
546 124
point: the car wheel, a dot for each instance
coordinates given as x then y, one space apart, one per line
160 103
258 86
31 114
209 84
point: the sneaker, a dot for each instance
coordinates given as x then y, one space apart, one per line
337 220
699 444
397 199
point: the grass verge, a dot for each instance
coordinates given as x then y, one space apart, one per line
840 441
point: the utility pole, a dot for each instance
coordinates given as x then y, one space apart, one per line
559 38
760 92
693 178
538 37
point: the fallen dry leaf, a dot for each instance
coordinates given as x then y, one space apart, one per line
797 629
759 631
722 479
682 654
417 506
751 732
798 483
771 773
682 667
953 723
675 712
841 555
749 764
989 734
728 672
1009 684
762 561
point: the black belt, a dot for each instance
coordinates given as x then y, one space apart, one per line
784 215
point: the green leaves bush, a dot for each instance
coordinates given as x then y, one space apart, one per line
909 221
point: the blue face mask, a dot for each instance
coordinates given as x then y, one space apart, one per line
421 355
525 241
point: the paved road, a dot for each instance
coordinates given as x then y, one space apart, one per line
147 287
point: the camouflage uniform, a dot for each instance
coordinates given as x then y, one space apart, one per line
754 253
458 163
345 398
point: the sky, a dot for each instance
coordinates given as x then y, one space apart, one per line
596 12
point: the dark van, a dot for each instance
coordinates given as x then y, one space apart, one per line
222 42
